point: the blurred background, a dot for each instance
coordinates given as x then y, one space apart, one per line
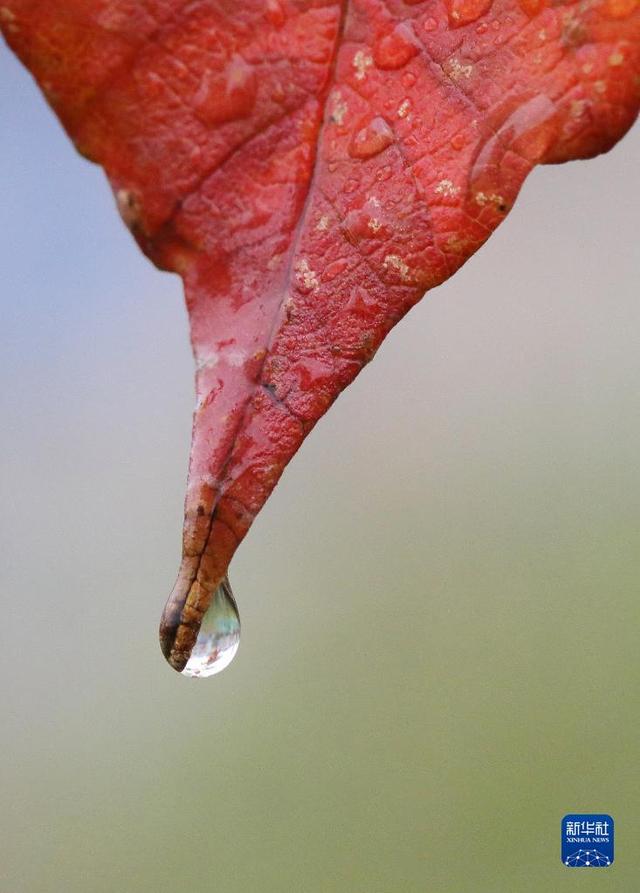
440 600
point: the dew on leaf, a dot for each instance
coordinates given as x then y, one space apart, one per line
220 189
525 135
274 13
371 139
409 79
462 12
395 49
229 95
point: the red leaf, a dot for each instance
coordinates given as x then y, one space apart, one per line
311 168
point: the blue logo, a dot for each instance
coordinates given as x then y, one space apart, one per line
587 840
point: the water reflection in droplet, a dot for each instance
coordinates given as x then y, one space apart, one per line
219 636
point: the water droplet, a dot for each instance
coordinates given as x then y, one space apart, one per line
461 12
408 79
366 222
393 50
313 372
526 134
219 635
274 13
532 7
372 139
225 96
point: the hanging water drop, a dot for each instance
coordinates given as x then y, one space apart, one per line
219 636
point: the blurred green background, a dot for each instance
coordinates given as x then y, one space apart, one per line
440 600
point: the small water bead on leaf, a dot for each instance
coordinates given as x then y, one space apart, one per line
371 139
228 95
366 222
513 148
219 636
409 79
462 12
274 13
395 48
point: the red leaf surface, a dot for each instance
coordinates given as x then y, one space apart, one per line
311 168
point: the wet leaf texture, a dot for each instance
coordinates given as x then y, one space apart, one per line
311 168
